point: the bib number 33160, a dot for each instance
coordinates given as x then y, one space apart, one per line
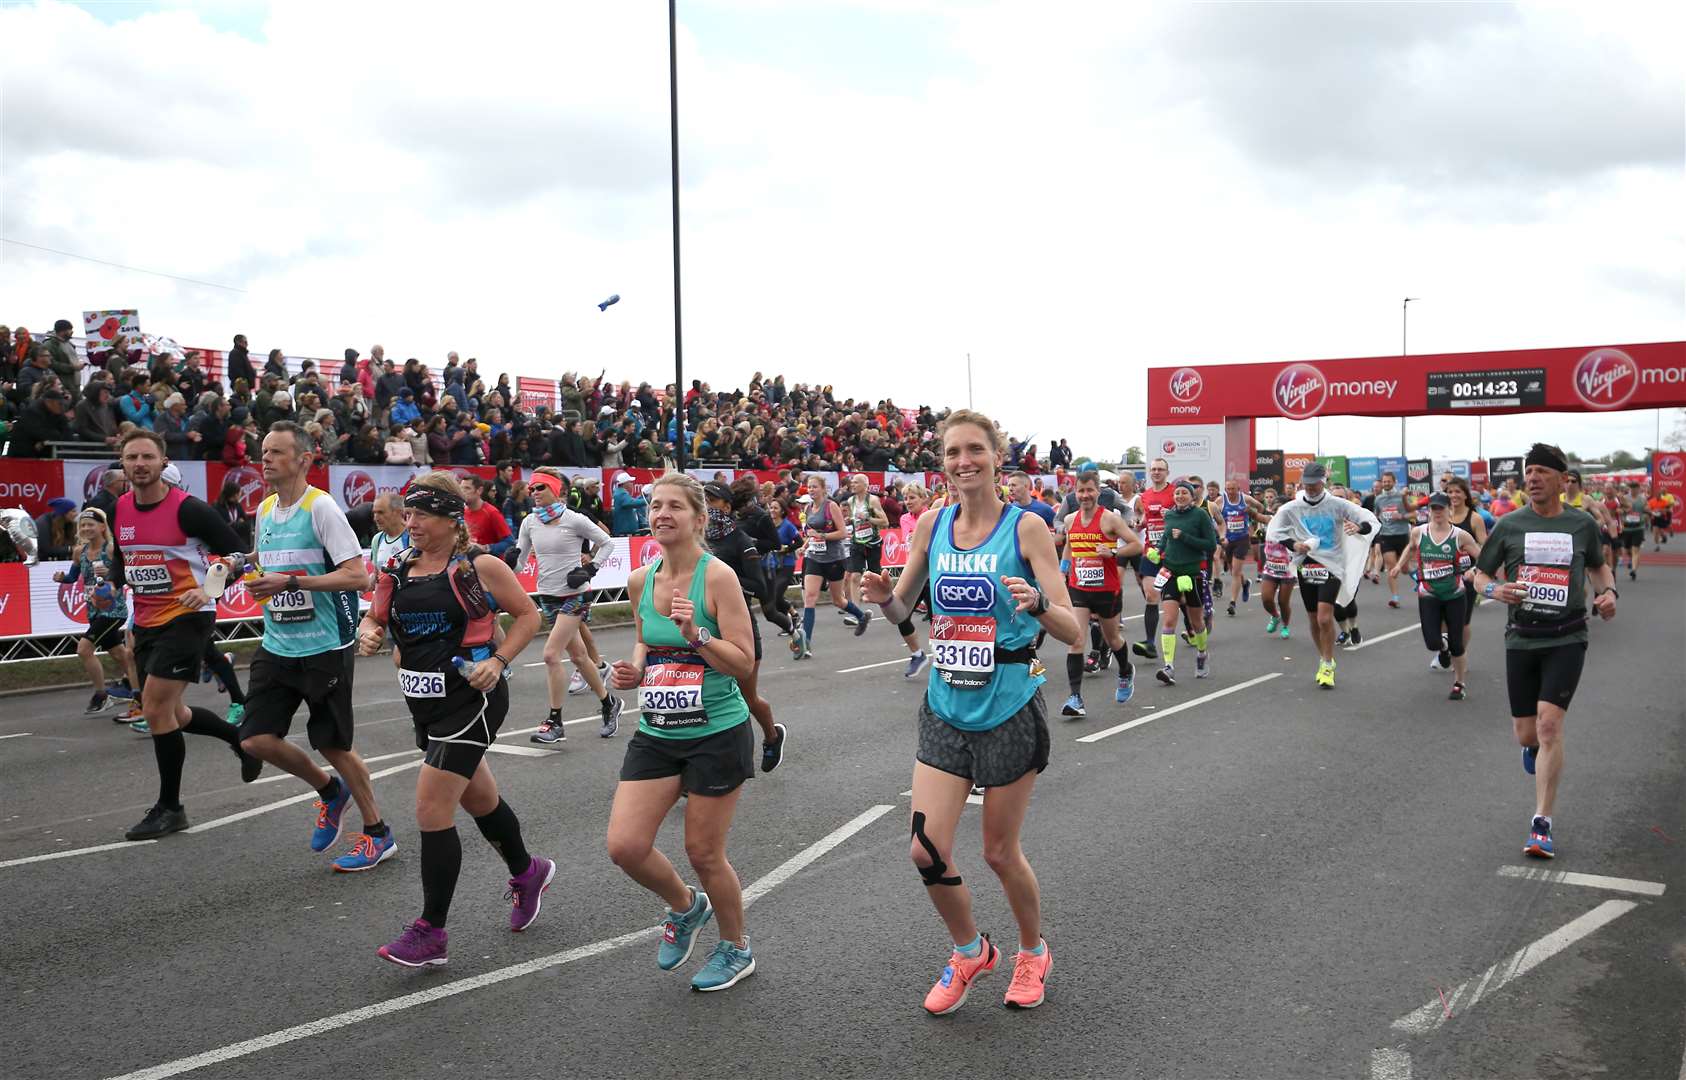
963 649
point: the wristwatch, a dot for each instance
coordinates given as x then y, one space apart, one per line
293 581
1611 590
703 638
1488 591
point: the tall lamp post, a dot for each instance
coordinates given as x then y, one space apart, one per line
1404 333
673 151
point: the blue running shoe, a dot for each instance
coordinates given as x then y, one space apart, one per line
1528 753
679 932
367 852
1126 690
1073 707
121 690
330 820
727 966
915 664
1246 590
1539 840
1341 638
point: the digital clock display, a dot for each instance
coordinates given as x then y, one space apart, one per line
1515 388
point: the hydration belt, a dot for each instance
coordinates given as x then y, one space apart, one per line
1549 630
1024 654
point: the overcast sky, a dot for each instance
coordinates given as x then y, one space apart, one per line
872 189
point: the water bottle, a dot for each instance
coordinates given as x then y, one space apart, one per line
464 665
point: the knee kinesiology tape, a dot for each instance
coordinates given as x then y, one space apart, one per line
935 873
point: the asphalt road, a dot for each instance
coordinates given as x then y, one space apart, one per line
1276 882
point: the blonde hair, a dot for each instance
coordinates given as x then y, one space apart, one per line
915 491
440 480
692 489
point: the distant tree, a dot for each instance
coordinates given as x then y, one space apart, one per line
1133 455
1621 459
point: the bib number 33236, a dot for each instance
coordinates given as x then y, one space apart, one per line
963 649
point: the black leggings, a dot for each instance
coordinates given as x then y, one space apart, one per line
777 606
222 669
1434 612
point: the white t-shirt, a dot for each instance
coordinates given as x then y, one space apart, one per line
383 547
558 546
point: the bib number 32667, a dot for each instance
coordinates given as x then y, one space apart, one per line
963 649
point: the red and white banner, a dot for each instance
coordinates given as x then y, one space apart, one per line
1584 379
30 483
1668 471
535 392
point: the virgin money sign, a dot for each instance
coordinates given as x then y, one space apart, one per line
14 600
1580 379
29 483
354 485
1669 472
535 392
54 607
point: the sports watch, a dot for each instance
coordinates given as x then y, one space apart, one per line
703 638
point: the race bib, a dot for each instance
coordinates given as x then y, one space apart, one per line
1162 579
1390 512
291 606
963 649
1548 588
671 695
1436 569
1090 574
148 575
816 546
1548 549
1313 572
1236 523
421 684
1277 560
1154 534
863 532
1633 521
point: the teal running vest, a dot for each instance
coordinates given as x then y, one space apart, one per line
972 620
296 622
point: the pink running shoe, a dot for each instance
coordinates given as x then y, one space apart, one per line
1030 979
956 982
526 891
420 945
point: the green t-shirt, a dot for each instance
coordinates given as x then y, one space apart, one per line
1551 556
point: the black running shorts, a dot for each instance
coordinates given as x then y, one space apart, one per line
1393 542
1104 605
280 684
1548 675
104 633
828 571
457 743
1312 593
711 765
176 649
1240 547
864 557
993 758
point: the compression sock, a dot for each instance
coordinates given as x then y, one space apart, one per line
171 752
972 949
205 722
853 610
1201 638
1125 671
1150 619
502 829
1074 672
1168 647
222 669
376 829
1095 642
441 862
905 627
808 623
330 791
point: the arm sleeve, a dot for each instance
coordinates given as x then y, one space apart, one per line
200 520
334 531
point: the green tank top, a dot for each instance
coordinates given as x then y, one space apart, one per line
1437 565
682 697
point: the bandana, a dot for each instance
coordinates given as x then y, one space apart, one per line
1546 456
720 524
433 501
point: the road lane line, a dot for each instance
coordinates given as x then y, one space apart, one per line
777 876
869 667
280 775
1519 963
1591 881
217 823
19 735
1390 1064
519 751
75 851
1369 641
1161 714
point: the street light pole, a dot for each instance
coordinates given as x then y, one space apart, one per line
968 380
673 151
1404 351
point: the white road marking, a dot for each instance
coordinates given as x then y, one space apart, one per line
1369 641
19 735
1160 715
1591 881
868 667
217 823
519 751
277 774
1390 1064
76 851
1519 963
780 874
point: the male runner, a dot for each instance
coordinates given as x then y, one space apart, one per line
1394 510
1235 512
391 539
1319 528
1661 508
1151 503
1095 539
1100 657
866 549
1632 510
311 571
1019 493
162 537
1547 552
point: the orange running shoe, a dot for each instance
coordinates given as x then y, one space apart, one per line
957 978
1030 979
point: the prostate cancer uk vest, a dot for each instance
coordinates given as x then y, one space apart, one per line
162 563
296 622
973 619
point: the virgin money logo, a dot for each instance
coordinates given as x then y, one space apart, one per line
895 548
237 602
91 483
1671 468
1168 447
359 488
250 483
1299 391
73 601
1186 384
649 549
1606 378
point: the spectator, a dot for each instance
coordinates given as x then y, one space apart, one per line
63 359
438 441
236 448
209 423
96 421
37 370
348 370
42 422
486 525
280 408
404 410
239 364
1059 456
1028 464
191 378
172 423
366 447
276 365
586 497
55 530
388 386
228 505
517 505
112 486
631 516
398 448
467 442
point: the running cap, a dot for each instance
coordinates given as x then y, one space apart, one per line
171 475
1548 456
1315 473
717 490
1440 499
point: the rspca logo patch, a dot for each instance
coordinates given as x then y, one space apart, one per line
966 592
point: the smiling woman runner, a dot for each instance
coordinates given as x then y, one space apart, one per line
983 720
452 680
693 645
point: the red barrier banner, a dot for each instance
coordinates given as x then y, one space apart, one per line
14 600
1584 379
535 392
30 482
1668 470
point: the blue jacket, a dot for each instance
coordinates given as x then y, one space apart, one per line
631 513
137 411
404 412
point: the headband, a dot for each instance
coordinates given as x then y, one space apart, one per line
1547 456
545 480
431 500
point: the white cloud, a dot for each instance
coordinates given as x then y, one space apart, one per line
1070 197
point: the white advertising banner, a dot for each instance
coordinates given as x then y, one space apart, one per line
1190 449
56 608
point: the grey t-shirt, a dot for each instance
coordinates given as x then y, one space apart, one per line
1551 556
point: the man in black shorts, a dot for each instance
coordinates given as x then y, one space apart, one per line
1547 552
